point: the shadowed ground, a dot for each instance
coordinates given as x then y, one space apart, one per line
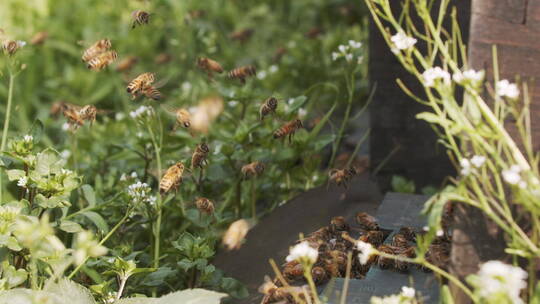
274 234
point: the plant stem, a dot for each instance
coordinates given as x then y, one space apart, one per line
309 278
345 290
123 281
6 124
350 93
128 212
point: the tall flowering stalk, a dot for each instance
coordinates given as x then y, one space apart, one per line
496 176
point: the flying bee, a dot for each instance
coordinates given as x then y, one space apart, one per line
242 35
183 117
39 38
89 113
152 92
96 49
127 64
56 108
139 18
77 115
204 205
235 234
319 274
102 60
198 159
288 129
209 66
12 46
399 240
366 221
140 83
383 262
253 169
293 271
242 73
172 178
338 224
343 176
269 106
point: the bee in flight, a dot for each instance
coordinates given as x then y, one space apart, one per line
183 117
199 156
288 129
140 18
152 92
77 115
102 60
204 205
342 177
242 35
209 66
269 106
172 178
253 169
126 64
140 84
242 73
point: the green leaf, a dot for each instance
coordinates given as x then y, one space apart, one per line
100 223
446 295
296 103
535 299
402 185
70 227
51 202
432 118
36 130
158 277
89 194
15 174
47 162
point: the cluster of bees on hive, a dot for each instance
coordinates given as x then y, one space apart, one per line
334 242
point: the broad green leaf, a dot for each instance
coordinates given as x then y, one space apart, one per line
158 277
36 130
69 226
15 174
296 103
47 162
89 194
100 223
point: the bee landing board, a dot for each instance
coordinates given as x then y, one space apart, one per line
397 210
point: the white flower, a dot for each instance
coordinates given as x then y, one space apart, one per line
303 253
139 134
21 43
439 233
134 174
261 75
123 177
522 184
432 74
472 76
506 89
349 57
335 56
512 175
65 171
355 44
273 68
478 160
291 44
366 250
186 86
408 292
302 113
28 138
343 48
141 112
119 116
139 192
402 41
496 277
65 154
465 166
65 126
22 181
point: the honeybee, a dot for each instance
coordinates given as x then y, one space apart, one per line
235 234
11 46
321 234
293 270
96 49
343 176
152 92
438 255
408 233
278 54
319 274
375 237
253 169
77 115
209 66
288 129
271 291
39 38
269 106
399 240
102 60
242 35
366 221
204 205
183 117
89 113
242 73
139 18
339 258
162 58
56 108
127 63
140 83
172 178
407 252
383 262
338 224
198 159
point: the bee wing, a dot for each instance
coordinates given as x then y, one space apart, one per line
72 107
168 108
161 83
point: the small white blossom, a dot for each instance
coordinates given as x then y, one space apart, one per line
512 175
439 233
478 160
496 277
506 89
139 192
366 250
355 44
65 154
120 116
349 57
28 138
273 68
134 174
432 74
65 126
261 75
303 253
139 134
65 171
408 292
21 43
343 48
291 44
402 41
302 113
123 177
186 86
22 181
335 56
471 76
141 112
465 166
